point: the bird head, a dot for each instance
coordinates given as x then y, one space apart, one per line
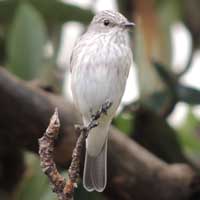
107 21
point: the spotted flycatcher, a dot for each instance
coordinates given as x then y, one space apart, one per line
100 64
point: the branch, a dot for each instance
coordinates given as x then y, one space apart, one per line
46 148
63 189
133 172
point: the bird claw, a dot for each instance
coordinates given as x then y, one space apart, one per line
94 119
93 124
105 107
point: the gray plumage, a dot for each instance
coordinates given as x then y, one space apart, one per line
100 65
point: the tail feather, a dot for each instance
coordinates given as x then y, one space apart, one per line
95 170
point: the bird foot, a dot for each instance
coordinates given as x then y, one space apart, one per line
103 110
105 107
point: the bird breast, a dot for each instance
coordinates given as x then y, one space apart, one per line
99 73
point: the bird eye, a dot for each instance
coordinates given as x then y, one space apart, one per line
106 22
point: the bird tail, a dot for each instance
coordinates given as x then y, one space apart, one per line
95 170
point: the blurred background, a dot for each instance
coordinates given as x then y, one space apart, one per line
160 108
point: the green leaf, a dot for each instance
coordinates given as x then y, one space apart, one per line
170 10
188 95
35 182
124 122
7 8
187 136
55 10
26 42
160 100
182 93
164 73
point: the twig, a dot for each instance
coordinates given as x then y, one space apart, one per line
65 189
46 148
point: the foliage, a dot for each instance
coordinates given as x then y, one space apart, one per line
189 133
25 25
124 122
26 42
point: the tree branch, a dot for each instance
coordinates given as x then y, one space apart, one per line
133 172
65 189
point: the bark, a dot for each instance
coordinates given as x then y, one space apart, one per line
157 136
133 172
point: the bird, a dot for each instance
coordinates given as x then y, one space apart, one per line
99 66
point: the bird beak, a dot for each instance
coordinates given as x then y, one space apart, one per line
129 25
